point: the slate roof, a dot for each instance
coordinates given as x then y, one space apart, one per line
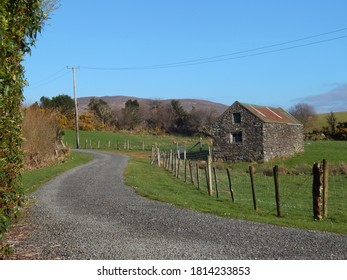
271 115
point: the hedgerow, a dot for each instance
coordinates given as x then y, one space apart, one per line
20 22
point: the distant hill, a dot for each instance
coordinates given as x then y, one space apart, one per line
118 102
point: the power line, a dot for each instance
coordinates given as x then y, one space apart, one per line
230 56
48 79
47 82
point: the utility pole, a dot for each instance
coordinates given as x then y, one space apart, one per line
76 105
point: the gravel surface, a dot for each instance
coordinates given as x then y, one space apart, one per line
89 213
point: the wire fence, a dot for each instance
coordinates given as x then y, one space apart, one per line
295 190
193 149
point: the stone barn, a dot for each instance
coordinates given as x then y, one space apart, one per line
251 133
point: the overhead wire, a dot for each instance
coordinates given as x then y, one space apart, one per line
48 79
230 56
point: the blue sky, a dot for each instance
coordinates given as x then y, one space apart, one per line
112 39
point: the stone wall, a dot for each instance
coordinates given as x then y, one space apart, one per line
282 140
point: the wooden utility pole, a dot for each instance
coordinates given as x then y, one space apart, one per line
76 105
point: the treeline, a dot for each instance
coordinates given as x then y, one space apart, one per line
154 116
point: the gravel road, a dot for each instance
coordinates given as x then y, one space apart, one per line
89 213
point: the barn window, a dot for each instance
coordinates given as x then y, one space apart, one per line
236 137
236 118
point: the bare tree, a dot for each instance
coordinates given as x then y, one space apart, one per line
304 113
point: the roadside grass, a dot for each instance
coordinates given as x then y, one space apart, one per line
295 189
33 179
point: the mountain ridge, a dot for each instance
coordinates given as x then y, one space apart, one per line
118 102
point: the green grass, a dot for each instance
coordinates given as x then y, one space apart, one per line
33 179
115 140
295 190
315 151
321 119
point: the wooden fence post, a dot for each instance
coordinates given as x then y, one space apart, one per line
325 188
171 161
251 174
206 175
215 180
185 170
174 164
98 144
277 192
316 191
166 160
178 167
197 175
230 186
158 155
191 172
209 172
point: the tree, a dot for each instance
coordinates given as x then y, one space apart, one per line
62 103
131 114
331 120
181 116
45 102
304 113
20 22
101 108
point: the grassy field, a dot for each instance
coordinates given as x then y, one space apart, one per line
295 188
322 119
137 141
33 179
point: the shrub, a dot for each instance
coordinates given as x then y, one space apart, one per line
343 168
42 133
